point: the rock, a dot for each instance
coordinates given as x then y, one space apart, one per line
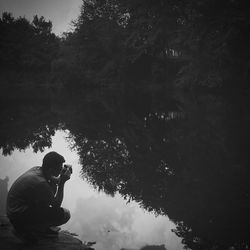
64 241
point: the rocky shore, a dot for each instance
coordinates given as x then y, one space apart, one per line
64 241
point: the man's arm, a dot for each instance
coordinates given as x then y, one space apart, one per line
60 191
59 195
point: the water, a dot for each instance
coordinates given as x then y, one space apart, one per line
110 221
144 163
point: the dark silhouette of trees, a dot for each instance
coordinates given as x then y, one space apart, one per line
26 45
182 43
182 156
26 123
92 53
180 159
206 35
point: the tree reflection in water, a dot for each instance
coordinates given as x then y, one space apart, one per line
26 122
185 156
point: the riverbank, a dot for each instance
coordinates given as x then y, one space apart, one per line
64 241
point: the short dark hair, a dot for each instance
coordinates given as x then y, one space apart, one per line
52 159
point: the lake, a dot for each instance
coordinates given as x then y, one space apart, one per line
150 167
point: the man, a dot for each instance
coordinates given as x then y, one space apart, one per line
34 200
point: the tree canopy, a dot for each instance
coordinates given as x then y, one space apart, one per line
184 156
26 45
185 43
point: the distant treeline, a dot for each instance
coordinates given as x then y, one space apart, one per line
176 43
26 45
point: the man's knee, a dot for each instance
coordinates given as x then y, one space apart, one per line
67 215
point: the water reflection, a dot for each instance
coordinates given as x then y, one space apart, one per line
185 156
109 221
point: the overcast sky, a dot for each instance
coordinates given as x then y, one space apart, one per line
60 12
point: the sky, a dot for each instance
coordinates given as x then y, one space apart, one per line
60 12
110 221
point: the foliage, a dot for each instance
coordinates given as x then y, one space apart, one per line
184 156
26 124
98 41
206 35
186 44
26 45
175 158
189 43
181 155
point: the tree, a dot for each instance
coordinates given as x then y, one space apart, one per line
26 46
176 158
26 124
189 43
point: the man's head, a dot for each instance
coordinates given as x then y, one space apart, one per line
52 163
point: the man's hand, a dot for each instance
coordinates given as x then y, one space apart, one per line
65 174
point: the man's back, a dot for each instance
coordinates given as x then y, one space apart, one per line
30 190
32 205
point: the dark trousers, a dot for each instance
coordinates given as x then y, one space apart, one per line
39 218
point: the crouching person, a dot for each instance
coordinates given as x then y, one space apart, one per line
34 200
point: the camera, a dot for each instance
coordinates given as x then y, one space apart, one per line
67 168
